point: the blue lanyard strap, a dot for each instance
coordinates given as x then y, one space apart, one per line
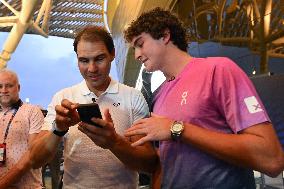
11 119
9 124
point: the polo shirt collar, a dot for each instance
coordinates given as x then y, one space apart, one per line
112 88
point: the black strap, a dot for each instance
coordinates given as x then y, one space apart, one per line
59 133
16 107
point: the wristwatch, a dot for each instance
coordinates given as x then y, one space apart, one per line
56 131
176 130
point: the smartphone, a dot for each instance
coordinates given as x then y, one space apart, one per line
88 111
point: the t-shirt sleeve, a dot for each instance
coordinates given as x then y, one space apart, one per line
236 97
35 120
140 107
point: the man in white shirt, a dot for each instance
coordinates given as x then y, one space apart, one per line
96 157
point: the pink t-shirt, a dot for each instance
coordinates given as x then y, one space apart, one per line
213 93
28 120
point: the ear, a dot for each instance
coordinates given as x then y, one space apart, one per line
113 53
167 36
19 87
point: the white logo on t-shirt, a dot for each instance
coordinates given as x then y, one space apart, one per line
252 104
183 98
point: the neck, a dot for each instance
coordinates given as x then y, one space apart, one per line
100 89
175 61
5 108
11 105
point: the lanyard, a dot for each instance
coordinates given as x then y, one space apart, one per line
11 119
9 124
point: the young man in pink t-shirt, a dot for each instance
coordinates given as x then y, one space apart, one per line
212 127
20 124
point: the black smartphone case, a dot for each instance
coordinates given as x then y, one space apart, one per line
88 111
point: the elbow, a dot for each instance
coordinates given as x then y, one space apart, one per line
273 172
36 165
147 164
155 165
275 167
152 165
37 161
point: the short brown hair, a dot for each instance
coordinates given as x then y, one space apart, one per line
93 34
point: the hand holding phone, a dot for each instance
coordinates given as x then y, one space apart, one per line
88 111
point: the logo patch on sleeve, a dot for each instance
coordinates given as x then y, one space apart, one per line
252 104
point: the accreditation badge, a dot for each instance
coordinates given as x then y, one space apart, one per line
2 154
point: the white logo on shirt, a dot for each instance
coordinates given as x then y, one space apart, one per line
252 104
183 98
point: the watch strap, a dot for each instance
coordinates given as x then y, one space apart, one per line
175 136
56 131
59 133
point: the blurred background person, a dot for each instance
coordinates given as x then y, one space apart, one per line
20 124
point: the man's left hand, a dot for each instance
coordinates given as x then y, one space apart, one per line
154 128
105 136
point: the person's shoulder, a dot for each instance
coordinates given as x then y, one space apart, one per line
217 62
129 92
27 107
224 65
207 64
222 61
124 87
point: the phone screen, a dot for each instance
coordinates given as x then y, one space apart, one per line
88 111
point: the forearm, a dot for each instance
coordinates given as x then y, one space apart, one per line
156 178
44 149
252 150
141 158
17 171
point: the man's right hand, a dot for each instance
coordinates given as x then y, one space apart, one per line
66 115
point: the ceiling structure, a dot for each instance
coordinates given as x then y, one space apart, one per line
60 18
256 24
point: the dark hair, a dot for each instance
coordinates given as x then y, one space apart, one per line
94 34
155 23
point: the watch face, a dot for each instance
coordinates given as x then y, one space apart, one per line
177 127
